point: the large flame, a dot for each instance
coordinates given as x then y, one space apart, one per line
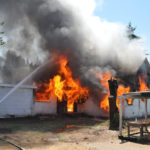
122 89
104 77
142 84
63 86
66 88
104 104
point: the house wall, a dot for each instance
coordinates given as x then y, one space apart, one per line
45 107
21 103
18 103
91 108
136 110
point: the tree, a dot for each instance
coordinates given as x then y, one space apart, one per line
130 30
131 35
1 39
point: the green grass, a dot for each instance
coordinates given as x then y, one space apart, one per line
105 123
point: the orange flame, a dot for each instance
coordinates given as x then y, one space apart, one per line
122 89
63 86
104 104
142 84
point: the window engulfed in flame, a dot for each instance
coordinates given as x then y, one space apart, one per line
63 86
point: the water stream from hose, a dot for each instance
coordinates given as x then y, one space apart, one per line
23 81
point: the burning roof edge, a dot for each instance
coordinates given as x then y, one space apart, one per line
22 86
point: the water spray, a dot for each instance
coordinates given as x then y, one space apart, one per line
23 81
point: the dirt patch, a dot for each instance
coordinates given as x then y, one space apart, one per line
63 133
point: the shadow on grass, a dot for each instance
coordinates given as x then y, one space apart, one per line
52 123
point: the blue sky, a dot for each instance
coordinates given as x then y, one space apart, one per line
124 11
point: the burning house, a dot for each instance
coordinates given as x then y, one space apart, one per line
64 94
80 53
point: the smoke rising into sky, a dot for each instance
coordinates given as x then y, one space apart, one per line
38 28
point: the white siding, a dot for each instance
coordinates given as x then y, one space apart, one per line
21 103
18 103
137 109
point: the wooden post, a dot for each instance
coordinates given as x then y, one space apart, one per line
120 117
113 110
113 113
141 131
146 112
128 130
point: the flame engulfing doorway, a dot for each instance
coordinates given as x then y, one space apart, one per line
68 90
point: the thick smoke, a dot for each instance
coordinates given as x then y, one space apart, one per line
37 28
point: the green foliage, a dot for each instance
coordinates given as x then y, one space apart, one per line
1 23
130 30
124 123
1 39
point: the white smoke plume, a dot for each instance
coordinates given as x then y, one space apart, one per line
37 28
